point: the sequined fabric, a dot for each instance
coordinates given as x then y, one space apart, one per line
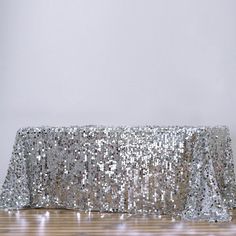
183 172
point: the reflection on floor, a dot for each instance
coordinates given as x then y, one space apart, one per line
49 222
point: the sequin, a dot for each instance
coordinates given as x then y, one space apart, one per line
185 172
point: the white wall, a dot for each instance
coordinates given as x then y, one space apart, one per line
115 62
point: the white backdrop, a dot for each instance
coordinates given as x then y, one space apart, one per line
115 62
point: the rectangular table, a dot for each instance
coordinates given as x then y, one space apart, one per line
181 171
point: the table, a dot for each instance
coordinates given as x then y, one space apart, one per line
181 171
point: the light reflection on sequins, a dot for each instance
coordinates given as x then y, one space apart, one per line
184 172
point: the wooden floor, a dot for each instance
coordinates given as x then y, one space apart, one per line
71 223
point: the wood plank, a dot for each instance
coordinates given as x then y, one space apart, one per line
47 222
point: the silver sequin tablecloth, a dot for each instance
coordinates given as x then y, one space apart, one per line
184 172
